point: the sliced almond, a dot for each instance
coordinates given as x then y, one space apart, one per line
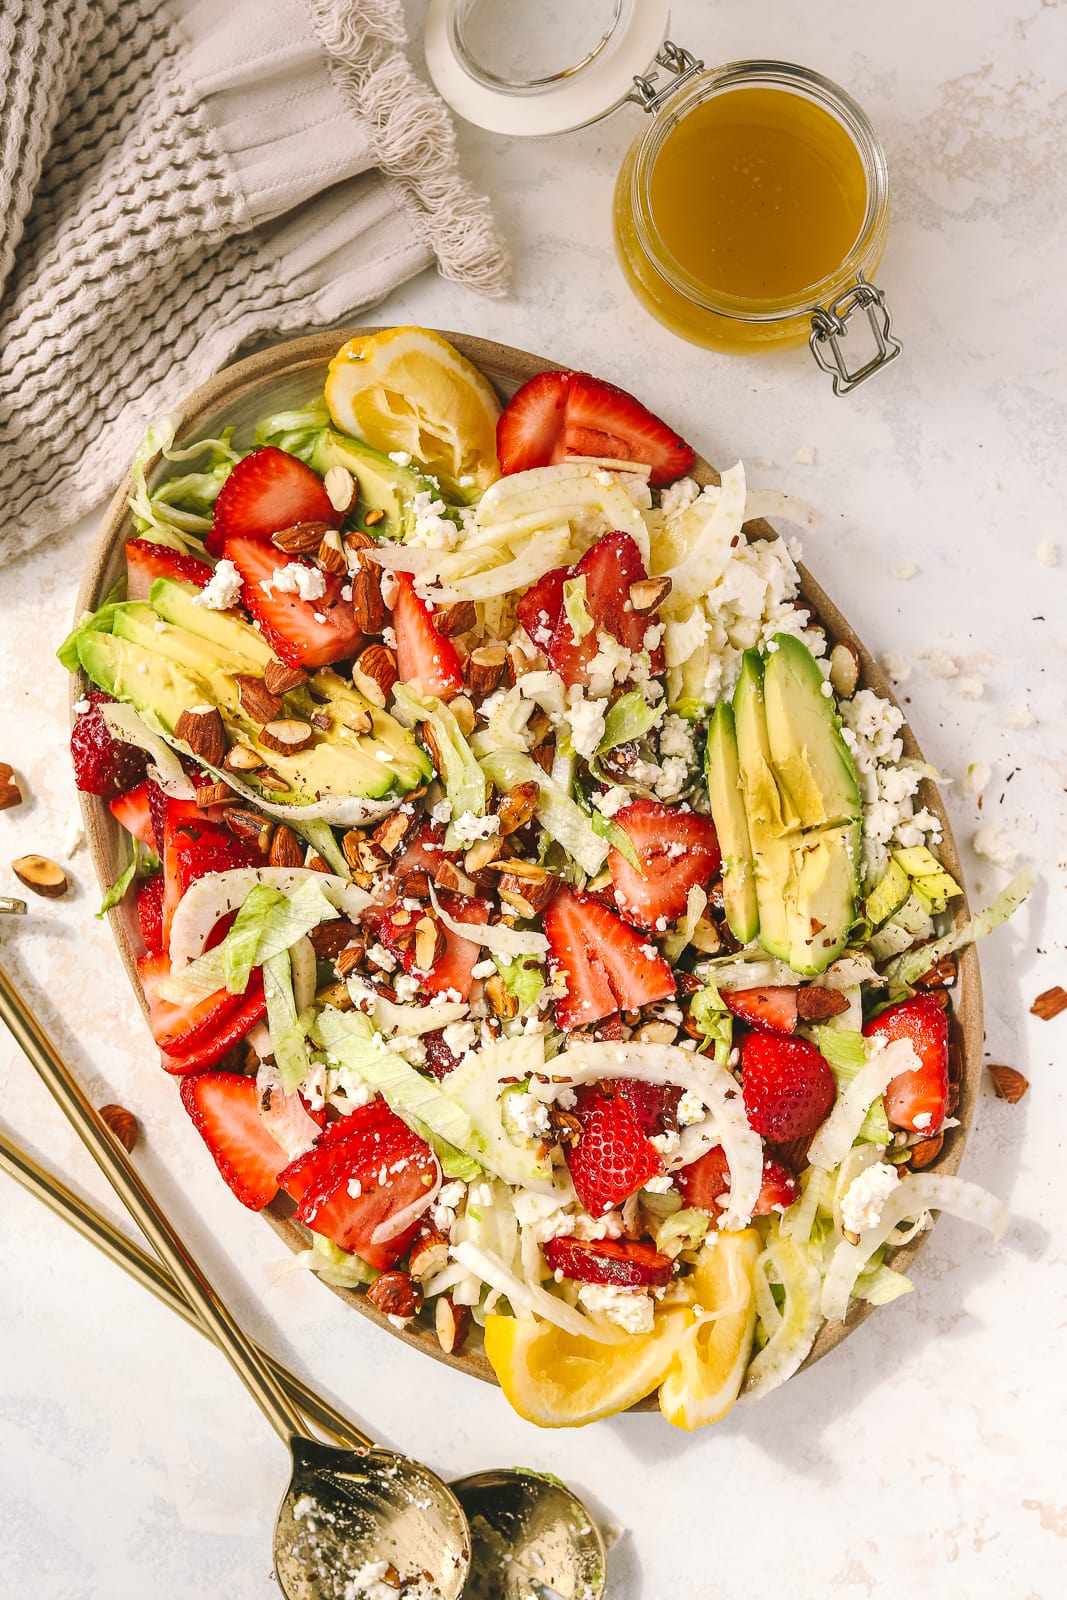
271 780
519 661
656 1033
336 995
429 1253
43 876
368 607
529 871
459 617
844 669
250 826
816 1004
373 518
340 488
544 755
485 668
451 1323
356 544
448 876
370 857
278 678
430 943
464 714
517 807
10 793
331 556
203 732
526 897
706 937
301 539
375 673
942 975
348 959
239 758
1009 1084
504 1004
216 794
925 1153
648 594
1050 1003
390 834
481 853
285 848
257 701
287 735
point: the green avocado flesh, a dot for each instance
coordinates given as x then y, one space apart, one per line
731 824
383 485
801 804
172 656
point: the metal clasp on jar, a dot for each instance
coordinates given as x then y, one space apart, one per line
681 64
829 326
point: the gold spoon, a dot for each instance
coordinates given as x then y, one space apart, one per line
345 1512
527 1527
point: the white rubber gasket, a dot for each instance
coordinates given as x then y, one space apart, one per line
573 102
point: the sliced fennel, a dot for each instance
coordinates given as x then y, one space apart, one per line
288 1036
498 939
796 1268
209 899
906 968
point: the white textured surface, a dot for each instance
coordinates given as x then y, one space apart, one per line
925 1456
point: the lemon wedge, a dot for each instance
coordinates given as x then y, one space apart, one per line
706 1372
407 389
562 1380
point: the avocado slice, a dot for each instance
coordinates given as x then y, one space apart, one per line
148 681
174 602
820 900
204 658
888 894
387 742
772 825
731 823
383 485
810 759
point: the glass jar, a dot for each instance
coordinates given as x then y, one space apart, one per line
786 156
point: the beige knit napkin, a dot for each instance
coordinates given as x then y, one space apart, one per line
178 179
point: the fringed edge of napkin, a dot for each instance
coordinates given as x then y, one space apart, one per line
413 137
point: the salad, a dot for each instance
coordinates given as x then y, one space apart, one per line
528 888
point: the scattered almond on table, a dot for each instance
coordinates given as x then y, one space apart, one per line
43 876
1009 1084
10 793
1050 1003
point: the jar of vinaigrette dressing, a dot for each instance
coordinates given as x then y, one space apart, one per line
750 212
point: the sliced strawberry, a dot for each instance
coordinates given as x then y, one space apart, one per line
103 765
302 633
655 1105
425 659
150 913
626 1263
267 491
605 963
181 1027
418 861
146 561
787 1085
251 1008
539 608
677 850
350 1190
705 1183
193 846
771 1010
612 1157
916 1101
300 1173
453 971
134 810
608 568
560 414
224 1107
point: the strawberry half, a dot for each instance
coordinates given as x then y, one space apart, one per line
705 1183
608 567
655 1105
771 1010
103 765
425 659
626 1263
560 414
787 1085
134 810
362 1174
235 1026
146 561
267 491
612 1158
302 633
453 970
224 1107
923 1093
193 846
604 963
179 1028
150 913
678 851
539 608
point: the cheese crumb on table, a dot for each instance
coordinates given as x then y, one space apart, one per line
990 843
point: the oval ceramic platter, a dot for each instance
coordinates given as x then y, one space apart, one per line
291 375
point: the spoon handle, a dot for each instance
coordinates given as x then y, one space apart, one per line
116 1166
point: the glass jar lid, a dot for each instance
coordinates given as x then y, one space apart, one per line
525 70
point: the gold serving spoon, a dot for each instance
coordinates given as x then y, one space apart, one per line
528 1529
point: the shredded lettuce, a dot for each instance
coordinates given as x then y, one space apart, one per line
296 432
463 778
181 505
455 1163
353 1040
714 1021
684 1230
333 1265
523 978
560 816
576 607
678 939
275 921
629 718
118 889
879 1284
616 836
906 968
287 1033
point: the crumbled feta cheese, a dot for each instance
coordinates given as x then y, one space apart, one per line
1048 553
223 589
406 986
585 718
388 634
82 706
401 457
355 1188
431 528
368 1584
468 827
380 957
666 1143
862 1202
611 800
922 1121
673 778
804 455
976 777
308 583
630 1309
826 690
530 1114
459 1037
441 812
896 668
941 663
483 969
691 1109
678 496
662 1183
970 686
451 1193
1020 716
905 570
467 481
566 1099
676 737
990 843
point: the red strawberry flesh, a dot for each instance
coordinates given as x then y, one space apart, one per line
705 1183
556 415
224 1107
607 569
612 1157
425 659
146 560
771 1010
677 851
103 765
916 1101
134 810
606 965
787 1085
267 491
150 913
626 1264
302 633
